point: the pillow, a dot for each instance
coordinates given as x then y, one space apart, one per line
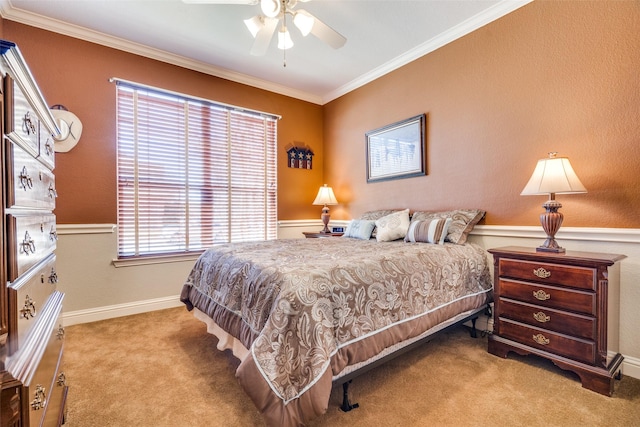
377 214
374 215
359 229
393 226
428 231
462 222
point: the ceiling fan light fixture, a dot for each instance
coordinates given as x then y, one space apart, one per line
304 21
284 39
270 8
254 25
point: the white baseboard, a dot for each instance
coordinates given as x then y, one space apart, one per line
113 311
631 367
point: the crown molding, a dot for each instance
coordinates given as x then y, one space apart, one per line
8 11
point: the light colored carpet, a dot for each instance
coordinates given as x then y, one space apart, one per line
162 369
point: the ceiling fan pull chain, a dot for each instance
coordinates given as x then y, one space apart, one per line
284 51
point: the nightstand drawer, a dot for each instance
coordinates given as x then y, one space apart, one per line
573 348
549 296
553 274
548 318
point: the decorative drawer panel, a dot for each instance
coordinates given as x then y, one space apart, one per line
554 274
559 321
542 339
549 296
32 290
23 124
31 183
30 239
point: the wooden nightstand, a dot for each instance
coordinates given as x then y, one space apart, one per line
313 235
555 306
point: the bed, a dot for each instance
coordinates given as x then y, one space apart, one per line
302 314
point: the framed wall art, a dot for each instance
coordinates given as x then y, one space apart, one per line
397 150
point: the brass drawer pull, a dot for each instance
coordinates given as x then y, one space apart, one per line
48 147
542 273
60 333
541 295
53 277
28 245
62 380
541 317
53 234
25 180
541 339
29 309
52 192
27 125
40 398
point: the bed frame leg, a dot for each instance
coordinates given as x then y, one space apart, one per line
474 331
346 405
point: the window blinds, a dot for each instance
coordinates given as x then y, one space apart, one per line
192 173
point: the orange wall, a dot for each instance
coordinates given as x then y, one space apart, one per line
76 74
552 76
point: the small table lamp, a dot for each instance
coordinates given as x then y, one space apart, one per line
553 175
325 197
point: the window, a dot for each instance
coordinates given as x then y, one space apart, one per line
191 173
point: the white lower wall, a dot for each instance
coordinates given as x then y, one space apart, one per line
95 289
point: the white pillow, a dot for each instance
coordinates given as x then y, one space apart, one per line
393 226
359 229
428 231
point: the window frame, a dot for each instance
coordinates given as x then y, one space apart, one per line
259 180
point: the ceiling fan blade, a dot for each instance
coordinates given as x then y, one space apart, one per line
263 38
250 2
326 33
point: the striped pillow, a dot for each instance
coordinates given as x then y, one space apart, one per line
428 231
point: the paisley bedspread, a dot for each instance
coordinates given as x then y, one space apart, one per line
308 308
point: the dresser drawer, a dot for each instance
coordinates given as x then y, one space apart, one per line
30 239
37 363
31 184
44 385
554 274
23 124
563 345
549 296
559 321
32 290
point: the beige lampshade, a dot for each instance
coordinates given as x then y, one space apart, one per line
325 196
553 175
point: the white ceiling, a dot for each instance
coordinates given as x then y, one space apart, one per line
381 36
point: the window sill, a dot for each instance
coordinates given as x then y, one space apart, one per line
150 260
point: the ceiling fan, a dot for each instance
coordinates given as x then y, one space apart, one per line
275 12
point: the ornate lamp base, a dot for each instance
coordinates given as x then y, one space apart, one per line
551 221
325 219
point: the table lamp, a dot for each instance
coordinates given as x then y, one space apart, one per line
553 175
325 197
